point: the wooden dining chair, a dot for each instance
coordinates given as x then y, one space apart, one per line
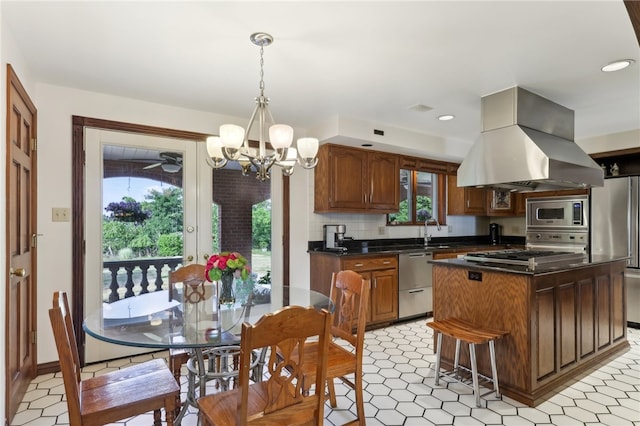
350 296
113 396
278 399
191 277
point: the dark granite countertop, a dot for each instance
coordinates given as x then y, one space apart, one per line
411 245
521 269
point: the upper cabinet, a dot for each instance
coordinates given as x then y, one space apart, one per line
501 203
356 180
465 200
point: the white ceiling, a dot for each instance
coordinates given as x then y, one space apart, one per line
363 60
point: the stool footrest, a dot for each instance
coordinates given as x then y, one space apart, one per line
465 378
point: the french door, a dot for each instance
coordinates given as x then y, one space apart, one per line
172 166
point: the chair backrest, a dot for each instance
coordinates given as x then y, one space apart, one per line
193 279
350 296
64 335
284 332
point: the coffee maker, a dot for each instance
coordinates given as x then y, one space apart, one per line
495 233
334 236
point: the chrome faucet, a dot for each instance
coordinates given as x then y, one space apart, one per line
427 236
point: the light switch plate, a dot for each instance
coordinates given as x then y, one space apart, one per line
61 214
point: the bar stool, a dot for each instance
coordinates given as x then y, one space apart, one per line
473 335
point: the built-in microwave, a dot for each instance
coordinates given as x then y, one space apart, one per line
565 212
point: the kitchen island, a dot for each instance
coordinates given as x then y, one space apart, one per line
561 320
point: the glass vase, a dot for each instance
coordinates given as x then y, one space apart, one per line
227 293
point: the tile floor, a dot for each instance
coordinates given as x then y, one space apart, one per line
399 390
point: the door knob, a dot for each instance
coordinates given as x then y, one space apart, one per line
18 272
189 258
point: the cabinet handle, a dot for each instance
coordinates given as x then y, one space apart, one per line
467 203
375 283
357 265
386 262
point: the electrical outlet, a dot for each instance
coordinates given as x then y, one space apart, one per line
382 230
449 228
61 214
515 229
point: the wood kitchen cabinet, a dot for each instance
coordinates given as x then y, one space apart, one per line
356 180
500 203
466 200
560 323
520 198
381 270
520 204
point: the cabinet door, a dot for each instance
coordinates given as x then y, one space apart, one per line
475 199
520 204
464 201
384 182
500 203
384 299
347 186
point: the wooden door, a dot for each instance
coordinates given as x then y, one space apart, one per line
475 199
348 187
20 293
384 302
384 181
464 200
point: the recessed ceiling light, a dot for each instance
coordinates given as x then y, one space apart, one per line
446 117
617 65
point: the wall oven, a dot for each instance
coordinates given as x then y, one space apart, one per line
557 213
558 224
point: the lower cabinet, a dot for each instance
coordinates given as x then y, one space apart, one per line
382 271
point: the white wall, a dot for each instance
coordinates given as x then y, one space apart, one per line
612 142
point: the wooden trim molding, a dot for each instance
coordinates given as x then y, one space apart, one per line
633 9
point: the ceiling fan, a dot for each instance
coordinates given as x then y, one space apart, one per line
171 162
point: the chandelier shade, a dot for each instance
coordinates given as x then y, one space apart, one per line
233 142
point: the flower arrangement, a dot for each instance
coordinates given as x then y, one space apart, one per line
227 263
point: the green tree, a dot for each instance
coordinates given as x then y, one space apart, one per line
170 244
116 235
143 245
166 212
261 224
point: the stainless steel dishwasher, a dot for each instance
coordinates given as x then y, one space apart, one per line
415 284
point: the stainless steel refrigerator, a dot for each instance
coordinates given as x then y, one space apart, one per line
614 229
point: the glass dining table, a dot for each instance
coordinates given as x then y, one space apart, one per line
154 321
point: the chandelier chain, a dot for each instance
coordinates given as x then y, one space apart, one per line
261 71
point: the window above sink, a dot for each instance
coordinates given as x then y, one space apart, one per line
422 198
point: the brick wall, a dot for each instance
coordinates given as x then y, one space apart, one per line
235 195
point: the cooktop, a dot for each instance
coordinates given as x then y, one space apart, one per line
529 258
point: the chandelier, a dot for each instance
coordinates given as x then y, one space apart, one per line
233 142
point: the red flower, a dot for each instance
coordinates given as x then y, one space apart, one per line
226 263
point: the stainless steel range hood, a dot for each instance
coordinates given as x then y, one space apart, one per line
527 145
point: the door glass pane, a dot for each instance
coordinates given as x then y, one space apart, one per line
142 221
